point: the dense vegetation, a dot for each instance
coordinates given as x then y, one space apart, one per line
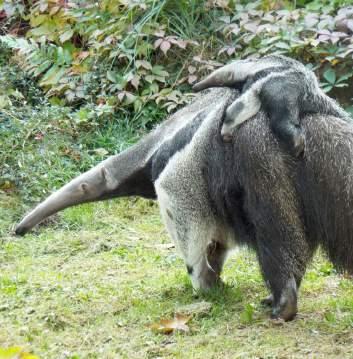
80 80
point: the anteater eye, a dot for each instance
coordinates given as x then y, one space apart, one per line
189 269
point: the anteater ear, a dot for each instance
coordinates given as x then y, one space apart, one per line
84 187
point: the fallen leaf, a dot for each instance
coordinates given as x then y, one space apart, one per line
168 326
15 353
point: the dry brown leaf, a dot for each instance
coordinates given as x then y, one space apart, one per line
168 326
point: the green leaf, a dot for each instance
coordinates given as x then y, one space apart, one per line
129 98
4 101
69 50
48 29
41 68
154 88
344 77
67 35
330 317
53 76
112 76
38 20
60 56
327 88
330 76
149 78
282 45
159 71
247 315
16 94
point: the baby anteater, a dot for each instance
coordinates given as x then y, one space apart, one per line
284 88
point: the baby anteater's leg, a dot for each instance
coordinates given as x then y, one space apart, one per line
280 98
242 109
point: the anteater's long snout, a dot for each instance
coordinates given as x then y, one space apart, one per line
87 187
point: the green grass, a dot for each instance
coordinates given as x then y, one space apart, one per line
89 283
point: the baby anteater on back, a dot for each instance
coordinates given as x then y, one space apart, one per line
284 88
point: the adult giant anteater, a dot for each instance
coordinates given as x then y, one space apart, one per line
215 195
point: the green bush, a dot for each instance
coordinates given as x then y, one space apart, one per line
82 79
131 53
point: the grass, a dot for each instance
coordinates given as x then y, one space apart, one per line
89 283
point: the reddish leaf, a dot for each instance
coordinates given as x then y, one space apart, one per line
192 79
157 43
121 95
165 46
82 55
191 69
179 43
143 63
230 51
135 81
39 136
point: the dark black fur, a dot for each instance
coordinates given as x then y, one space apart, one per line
283 208
175 144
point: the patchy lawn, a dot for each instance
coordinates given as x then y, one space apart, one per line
89 284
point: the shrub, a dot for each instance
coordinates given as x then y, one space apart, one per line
84 73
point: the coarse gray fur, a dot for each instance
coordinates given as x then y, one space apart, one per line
215 195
